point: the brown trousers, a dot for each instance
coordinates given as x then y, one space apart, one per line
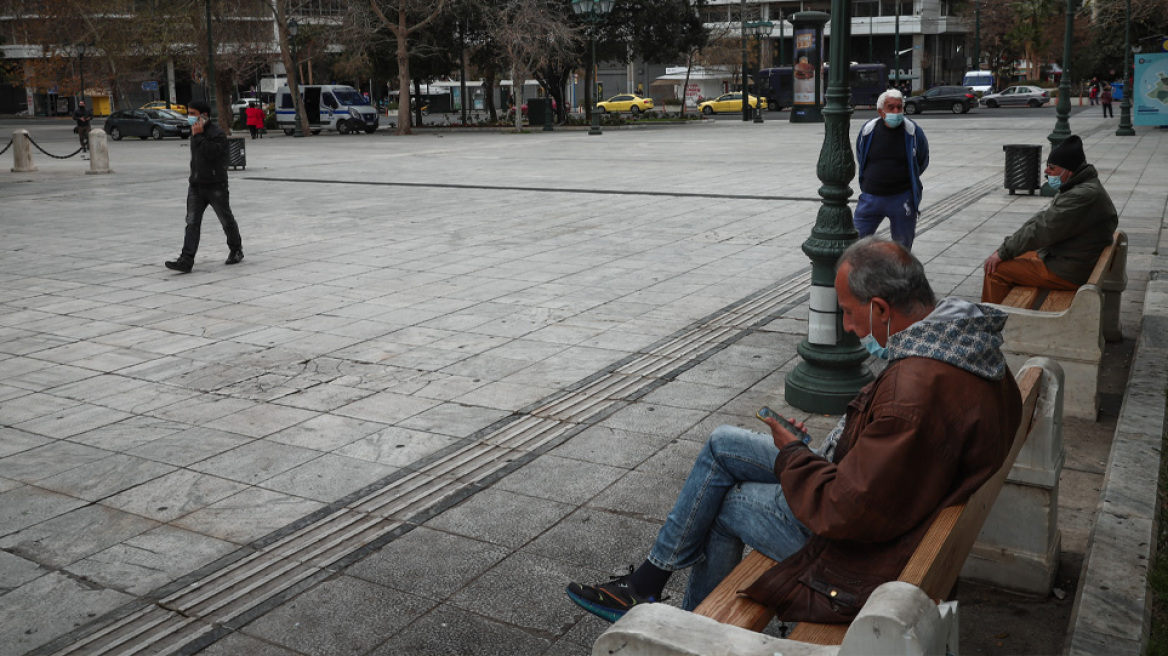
1026 270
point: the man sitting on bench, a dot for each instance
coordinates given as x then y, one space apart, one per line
1057 248
934 425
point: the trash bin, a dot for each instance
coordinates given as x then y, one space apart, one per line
237 153
536 111
1023 167
1117 90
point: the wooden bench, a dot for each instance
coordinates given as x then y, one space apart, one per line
1071 326
934 565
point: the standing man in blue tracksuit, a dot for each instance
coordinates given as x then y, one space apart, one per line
892 153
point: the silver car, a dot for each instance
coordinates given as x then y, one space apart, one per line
1017 96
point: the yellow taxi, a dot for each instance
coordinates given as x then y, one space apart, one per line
161 104
729 102
625 102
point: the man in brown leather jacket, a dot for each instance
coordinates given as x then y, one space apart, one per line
841 520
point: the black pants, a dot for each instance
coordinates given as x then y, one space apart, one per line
1107 110
198 198
83 134
255 132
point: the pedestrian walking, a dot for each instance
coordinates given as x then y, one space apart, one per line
1093 91
255 120
1105 97
82 115
207 186
892 153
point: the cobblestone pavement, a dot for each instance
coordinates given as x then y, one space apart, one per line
453 372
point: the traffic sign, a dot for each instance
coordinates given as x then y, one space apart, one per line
150 86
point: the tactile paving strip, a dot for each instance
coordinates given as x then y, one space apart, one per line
197 610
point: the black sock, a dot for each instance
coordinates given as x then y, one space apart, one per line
649 580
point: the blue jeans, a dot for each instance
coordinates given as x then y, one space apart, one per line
902 216
730 498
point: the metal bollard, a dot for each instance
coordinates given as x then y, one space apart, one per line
21 152
98 152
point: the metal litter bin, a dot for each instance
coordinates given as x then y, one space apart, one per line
1023 167
536 111
237 153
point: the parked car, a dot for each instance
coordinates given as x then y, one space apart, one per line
147 124
729 102
242 103
1017 95
161 104
625 102
958 100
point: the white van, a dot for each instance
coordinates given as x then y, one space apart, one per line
982 82
329 107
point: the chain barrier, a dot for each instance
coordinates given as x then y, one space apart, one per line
6 147
38 147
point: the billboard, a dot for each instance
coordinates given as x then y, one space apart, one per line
1150 89
807 58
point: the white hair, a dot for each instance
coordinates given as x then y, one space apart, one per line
891 93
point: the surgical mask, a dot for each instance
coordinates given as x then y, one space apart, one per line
894 120
869 341
1054 181
191 120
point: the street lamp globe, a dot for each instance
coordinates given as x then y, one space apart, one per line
293 27
765 28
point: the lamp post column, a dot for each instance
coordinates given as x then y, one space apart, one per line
81 69
211 66
294 76
1062 126
833 368
977 37
745 87
896 43
1125 121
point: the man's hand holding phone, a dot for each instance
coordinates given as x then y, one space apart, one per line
783 430
197 128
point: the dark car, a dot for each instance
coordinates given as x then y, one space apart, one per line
147 124
958 100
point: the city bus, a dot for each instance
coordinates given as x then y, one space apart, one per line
867 82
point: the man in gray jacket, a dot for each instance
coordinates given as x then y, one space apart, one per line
1058 247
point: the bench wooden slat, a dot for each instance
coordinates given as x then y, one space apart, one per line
1021 297
1057 301
933 567
1104 261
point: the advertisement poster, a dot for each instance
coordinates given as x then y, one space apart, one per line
1150 97
806 60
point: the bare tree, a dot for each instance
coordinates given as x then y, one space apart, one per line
403 18
529 33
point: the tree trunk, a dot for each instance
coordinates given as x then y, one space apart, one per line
489 89
685 87
517 94
403 74
223 100
417 106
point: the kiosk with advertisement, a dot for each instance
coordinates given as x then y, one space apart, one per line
807 104
1150 89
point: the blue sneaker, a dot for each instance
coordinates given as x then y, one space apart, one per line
609 601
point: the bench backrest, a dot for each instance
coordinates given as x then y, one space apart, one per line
933 567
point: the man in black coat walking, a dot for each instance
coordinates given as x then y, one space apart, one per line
208 186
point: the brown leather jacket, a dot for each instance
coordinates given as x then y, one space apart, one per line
923 436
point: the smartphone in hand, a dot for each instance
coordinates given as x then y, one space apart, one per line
766 413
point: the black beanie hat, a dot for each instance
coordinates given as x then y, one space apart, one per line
1068 154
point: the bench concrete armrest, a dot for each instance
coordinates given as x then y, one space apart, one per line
898 619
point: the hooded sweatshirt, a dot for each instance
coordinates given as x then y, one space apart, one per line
934 425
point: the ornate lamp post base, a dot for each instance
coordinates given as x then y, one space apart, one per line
828 377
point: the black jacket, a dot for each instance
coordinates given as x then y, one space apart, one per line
209 156
82 115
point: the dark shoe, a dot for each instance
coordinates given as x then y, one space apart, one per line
610 600
181 264
235 258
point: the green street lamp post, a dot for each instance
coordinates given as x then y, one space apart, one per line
896 42
81 67
782 38
1062 126
746 27
293 30
547 111
210 64
1125 120
977 37
760 29
833 368
595 10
